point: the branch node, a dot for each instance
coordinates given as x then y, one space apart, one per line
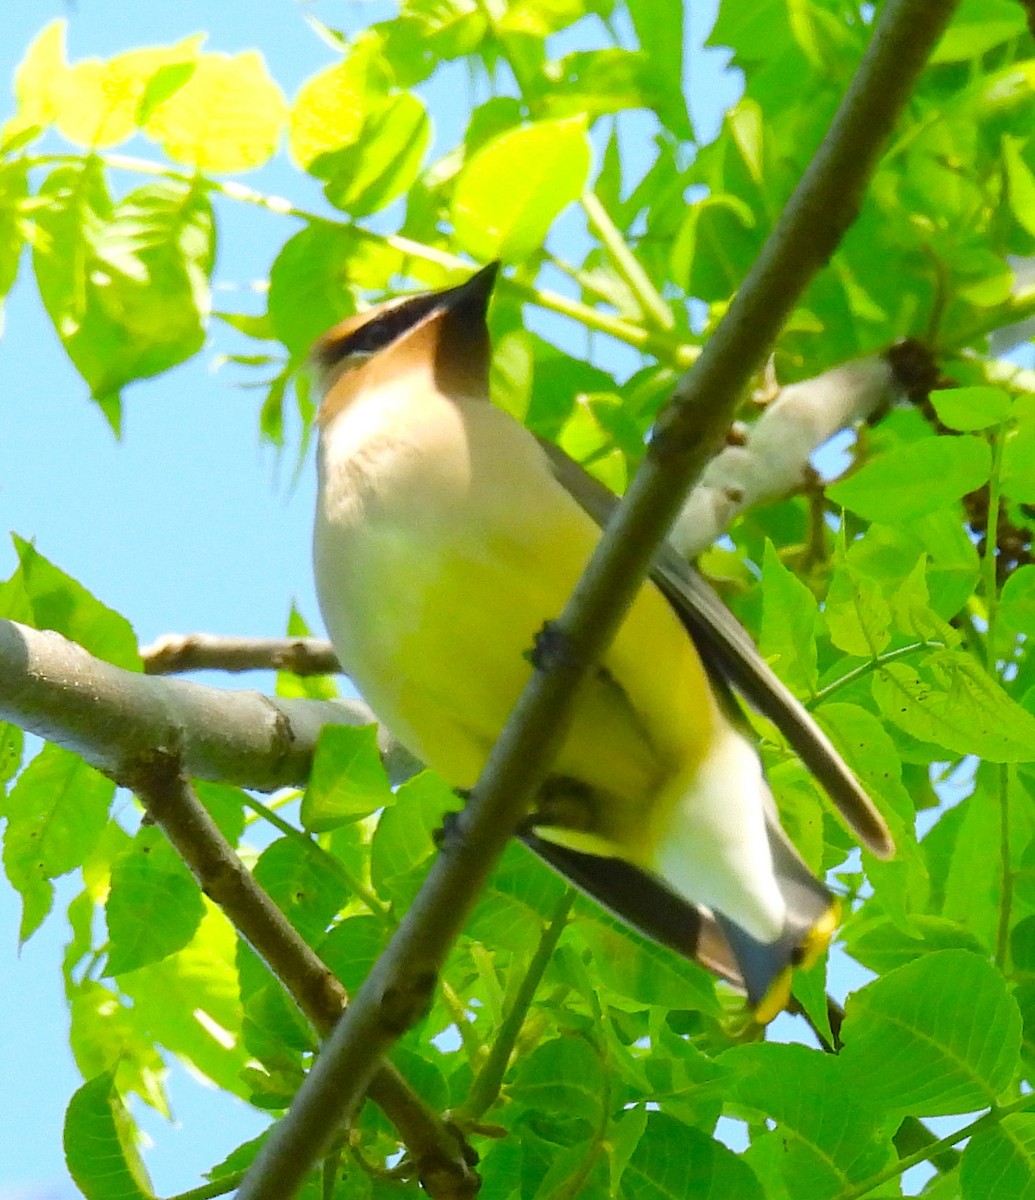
408 1001
553 650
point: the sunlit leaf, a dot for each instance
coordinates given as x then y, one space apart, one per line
347 781
228 116
512 190
99 1145
951 701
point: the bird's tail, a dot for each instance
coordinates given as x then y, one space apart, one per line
766 968
643 900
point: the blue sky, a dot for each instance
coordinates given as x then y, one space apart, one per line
187 524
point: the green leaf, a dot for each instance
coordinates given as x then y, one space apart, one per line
331 107
1018 477
302 882
14 182
978 27
43 596
126 286
1016 612
938 1036
405 837
106 1034
715 245
509 194
189 1002
348 780
56 811
1020 184
309 289
563 1076
999 1161
951 701
659 28
830 1138
856 612
787 638
383 162
885 947
353 946
912 480
596 82
227 117
165 82
154 906
870 752
674 1160
912 611
99 1145
970 408
12 747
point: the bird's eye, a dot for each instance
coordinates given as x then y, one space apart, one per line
380 331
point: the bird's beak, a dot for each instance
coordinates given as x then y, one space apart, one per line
471 298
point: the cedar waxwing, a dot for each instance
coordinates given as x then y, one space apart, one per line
446 536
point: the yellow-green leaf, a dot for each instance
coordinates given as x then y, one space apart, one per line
100 102
512 190
348 780
39 80
385 160
331 107
969 408
228 116
940 1035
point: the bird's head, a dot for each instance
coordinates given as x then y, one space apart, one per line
443 332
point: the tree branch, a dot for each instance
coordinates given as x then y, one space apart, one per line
175 652
441 1158
55 689
773 457
400 985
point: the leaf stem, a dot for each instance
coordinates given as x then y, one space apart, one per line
373 903
875 663
215 1187
990 562
487 1084
626 263
1002 942
898 1168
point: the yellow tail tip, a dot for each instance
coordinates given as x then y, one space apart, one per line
812 948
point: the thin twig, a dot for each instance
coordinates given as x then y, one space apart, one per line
866 668
174 653
927 1153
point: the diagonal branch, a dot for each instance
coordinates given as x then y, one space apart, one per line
441 1158
399 987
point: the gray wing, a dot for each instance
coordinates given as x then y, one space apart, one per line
732 659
